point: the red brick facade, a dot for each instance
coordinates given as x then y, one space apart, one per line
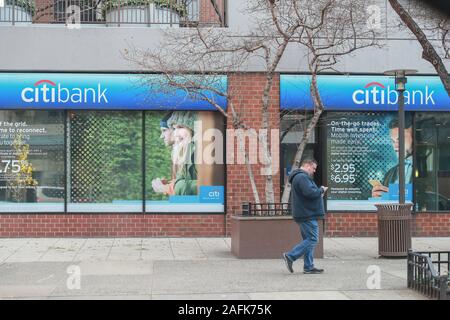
246 92
366 225
110 225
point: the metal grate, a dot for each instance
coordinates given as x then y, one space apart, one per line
266 209
423 277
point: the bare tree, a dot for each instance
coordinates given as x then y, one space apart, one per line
321 31
331 30
420 19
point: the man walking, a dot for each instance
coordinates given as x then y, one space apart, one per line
307 207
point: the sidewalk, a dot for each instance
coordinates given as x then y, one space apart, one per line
194 268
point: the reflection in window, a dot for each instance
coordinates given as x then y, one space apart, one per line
432 174
104 162
293 126
31 161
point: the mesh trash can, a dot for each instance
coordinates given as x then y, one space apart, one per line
394 229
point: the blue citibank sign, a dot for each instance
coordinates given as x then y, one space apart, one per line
103 91
364 93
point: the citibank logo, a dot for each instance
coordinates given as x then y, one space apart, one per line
214 194
377 94
47 91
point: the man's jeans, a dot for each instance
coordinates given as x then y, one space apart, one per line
310 234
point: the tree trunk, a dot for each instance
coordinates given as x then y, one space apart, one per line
267 172
429 53
237 125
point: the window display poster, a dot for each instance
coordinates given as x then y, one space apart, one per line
362 160
31 161
185 170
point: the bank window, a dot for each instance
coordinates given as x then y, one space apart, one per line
184 161
432 156
293 126
104 161
31 161
362 159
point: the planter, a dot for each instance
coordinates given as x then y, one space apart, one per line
152 15
21 15
267 237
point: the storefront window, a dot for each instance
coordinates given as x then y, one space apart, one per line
432 156
31 161
362 159
293 125
184 161
104 161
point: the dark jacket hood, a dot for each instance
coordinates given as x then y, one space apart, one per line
294 173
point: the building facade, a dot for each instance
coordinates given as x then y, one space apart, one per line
83 150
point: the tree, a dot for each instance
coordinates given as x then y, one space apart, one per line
320 31
431 20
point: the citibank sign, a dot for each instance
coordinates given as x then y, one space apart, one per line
364 93
376 93
47 91
93 91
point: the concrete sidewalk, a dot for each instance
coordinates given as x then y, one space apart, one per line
194 268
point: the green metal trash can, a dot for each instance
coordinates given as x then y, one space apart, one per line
394 229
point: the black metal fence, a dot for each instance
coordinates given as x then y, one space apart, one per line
428 273
266 209
150 13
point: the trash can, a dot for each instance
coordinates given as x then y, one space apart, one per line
394 229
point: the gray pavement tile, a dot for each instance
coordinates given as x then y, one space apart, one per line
95 249
35 273
30 250
121 253
431 244
27 254
5 254
156 249
63 250
25 291
135 285
92 254
186 249
40 242
299 295
99 243
215 248
126 249
128 242
116 268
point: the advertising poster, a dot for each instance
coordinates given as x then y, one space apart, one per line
185 162
31 161
362 157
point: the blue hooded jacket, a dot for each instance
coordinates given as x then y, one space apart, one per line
306 197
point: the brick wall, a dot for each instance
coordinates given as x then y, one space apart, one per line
111 225
366 225
246 90
44 11
208 14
